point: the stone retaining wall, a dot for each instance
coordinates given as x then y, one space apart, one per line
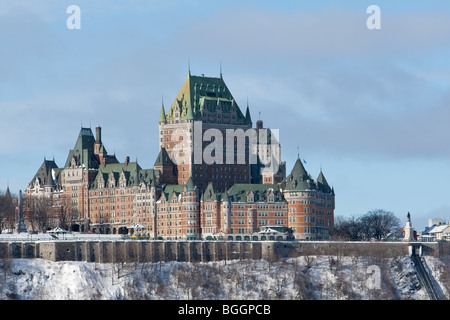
203 251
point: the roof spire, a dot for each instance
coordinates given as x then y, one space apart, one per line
8 192
248 119
162 116
220 69
189 66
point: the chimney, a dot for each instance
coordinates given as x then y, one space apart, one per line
98 134
127 160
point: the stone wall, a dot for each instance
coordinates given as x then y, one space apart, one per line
203 251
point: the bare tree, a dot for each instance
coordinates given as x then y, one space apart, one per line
7 213
37 211
375 224
67 214
348 229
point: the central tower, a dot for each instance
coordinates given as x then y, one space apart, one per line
203 103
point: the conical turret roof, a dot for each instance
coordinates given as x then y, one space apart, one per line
299 178
162 116
163 159
323 184
299 170
248 118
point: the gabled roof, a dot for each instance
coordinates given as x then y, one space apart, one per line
438 228
169 189
209 194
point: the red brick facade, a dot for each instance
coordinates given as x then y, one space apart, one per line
182 197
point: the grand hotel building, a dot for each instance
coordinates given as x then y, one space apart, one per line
189 194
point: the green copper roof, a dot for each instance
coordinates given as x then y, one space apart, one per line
189 113
299 179
83 152
239 192
200 92
162 116
209 194
169 189
148 176
323 184
299 170
130 170
225 197
322 179
190 185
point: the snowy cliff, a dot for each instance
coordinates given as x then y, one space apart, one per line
311 277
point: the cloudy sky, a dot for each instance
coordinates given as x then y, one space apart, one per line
369 107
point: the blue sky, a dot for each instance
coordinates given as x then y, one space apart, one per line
369 107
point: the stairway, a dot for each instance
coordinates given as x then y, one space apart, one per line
426 279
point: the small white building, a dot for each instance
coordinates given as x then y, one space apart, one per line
437 233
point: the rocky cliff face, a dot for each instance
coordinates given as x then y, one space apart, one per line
309 277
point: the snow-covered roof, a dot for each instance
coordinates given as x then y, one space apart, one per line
137 227
269 230
57 230
439 228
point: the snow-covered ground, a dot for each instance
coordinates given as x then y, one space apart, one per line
312 277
